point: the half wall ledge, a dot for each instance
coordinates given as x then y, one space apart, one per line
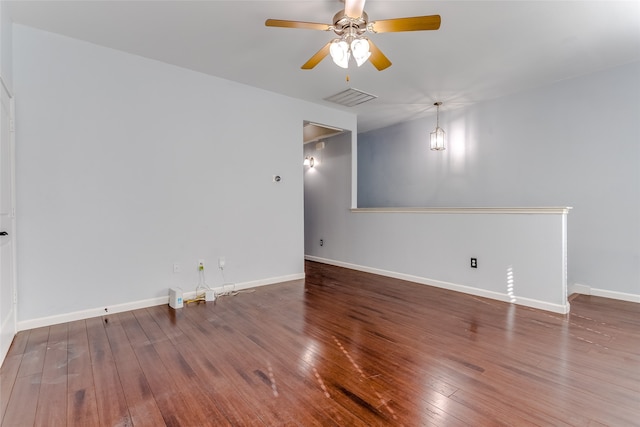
520 253
470 210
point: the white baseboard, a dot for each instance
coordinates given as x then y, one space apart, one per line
528 302
577 288
135 305
24 325
270 281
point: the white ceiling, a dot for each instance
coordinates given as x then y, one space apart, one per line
483 50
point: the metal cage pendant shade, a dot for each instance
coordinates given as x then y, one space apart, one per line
436 141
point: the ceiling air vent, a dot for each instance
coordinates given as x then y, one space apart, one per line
351 97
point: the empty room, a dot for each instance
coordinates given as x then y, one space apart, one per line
320 213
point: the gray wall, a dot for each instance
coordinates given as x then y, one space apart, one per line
575 143
327 195
6 40
521 256
126 166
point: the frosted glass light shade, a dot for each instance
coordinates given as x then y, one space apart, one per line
436 142
360 50
339 51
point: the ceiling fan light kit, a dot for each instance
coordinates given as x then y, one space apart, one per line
341 51
349 25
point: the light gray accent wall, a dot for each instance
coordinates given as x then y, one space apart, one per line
327 196
6 48
126 166
575 143
528 250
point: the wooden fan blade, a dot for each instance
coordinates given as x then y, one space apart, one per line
315 59
377 58
354 8
297 24
415 23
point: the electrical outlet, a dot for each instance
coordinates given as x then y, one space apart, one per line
222 261
474 262
200 264
321 242
176 267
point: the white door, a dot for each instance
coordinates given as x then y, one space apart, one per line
7 226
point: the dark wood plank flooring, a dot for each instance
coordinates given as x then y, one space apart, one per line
342 348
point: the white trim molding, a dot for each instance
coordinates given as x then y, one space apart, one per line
470 210
577 288
151 302
528 302
56 319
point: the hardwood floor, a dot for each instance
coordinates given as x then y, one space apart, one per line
341 348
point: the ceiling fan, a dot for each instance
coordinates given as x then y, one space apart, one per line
350 25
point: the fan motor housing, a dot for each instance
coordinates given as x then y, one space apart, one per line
342 23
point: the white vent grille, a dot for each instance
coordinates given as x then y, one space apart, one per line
351 97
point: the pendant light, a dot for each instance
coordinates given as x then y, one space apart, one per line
436 142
